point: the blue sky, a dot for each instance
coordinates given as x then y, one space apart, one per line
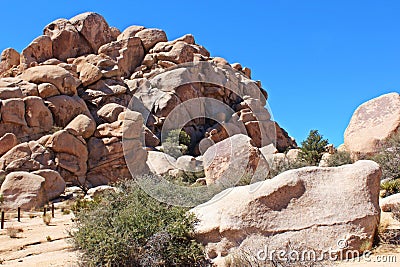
317 59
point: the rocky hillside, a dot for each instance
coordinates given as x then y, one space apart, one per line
68 96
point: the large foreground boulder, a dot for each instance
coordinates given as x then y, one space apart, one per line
24 190
313 208
372 123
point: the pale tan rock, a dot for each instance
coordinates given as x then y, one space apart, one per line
38 51
150 37
229 160
47 90
54 184
130 32
13 111
293 154
71 153
66 108
243 217
371 124
110 112
7 142
81 125
29 156
61 78
37 114
98 191
388 203
23 190
94 28
160 163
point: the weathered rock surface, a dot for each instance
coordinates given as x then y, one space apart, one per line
54 184
24 190
7 141
233 158
372 123
389 202
61 78
299 206
160 163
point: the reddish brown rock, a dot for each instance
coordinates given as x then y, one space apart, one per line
67 41
13 111
66 108
7 142
9 58
38 51
128 53
94 28
150 37
130 32
61 78
37 114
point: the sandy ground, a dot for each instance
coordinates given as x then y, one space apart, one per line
32 247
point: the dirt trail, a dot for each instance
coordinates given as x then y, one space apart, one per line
38 244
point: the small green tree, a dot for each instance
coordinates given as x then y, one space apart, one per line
313 148
176 143
389 158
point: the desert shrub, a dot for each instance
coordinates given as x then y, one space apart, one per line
386 235
48 238
339 158
1 199
389 158
13 232
176 143
129 228
313 148
2 178
286 165
391 187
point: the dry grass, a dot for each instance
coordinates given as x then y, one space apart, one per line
13 232
47 219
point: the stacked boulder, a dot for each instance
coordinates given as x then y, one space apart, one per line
65 101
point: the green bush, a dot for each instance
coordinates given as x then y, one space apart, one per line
286 165
391 187
339 158
176 143
129 228
313 148
389 158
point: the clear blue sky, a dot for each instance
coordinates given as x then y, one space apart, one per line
317 59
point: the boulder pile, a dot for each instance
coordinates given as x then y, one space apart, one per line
65 100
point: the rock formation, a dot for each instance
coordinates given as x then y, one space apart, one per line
65 97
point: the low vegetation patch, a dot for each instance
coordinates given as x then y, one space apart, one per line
129 228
